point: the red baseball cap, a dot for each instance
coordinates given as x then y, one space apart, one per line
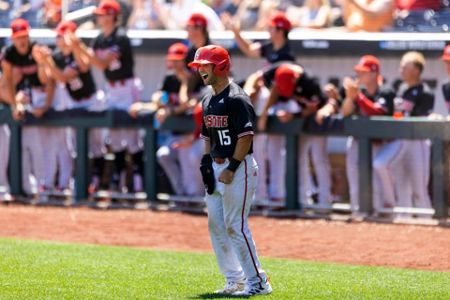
177 51
279 20
66 26
286 79
446 53
368 63
20 27
108 8
197 20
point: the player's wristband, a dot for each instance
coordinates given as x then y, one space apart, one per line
233 165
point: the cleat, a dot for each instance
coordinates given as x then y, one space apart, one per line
263 288
232 287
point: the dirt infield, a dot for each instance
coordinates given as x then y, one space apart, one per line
405 246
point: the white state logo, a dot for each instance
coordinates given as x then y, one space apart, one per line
249 124
221 100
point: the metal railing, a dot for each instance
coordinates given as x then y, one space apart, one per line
364 129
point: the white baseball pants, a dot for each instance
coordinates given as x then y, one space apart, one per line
4 155
228 209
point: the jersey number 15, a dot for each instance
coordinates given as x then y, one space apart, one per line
224 138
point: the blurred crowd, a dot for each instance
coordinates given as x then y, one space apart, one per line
350 15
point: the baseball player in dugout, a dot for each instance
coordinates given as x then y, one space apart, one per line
175 98
295 93
75 89
28 88
446 86
112 53
275 50
408 160
229 172
365 97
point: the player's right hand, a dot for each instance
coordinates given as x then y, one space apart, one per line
351 88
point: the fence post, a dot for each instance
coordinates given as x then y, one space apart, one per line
150 179
81 171
439 168
365 175
15 158
292 171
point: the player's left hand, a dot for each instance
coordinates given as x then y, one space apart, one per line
226 176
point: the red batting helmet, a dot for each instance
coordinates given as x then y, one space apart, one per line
213 54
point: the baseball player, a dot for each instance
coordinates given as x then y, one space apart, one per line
370 100
259 94
4 151
174 158
34 93
111 52
229 172
414 98
276 50
291 83
446 87
77 87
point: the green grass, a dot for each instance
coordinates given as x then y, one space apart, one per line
42 270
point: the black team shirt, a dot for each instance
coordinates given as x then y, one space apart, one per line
307 87
417 101
227 117
26 64
273 56
446 92
118 42
80 87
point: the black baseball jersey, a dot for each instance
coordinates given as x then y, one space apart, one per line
227 117
80 87
171 85
307 87
25 63
446 92
272 56
382 99
416 101
118 42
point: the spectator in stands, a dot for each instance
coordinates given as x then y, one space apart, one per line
277 49
408 5
368 15
176 14
52 13
143 16
251 14
415 99
314 14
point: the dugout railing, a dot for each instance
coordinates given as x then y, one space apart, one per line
365 129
